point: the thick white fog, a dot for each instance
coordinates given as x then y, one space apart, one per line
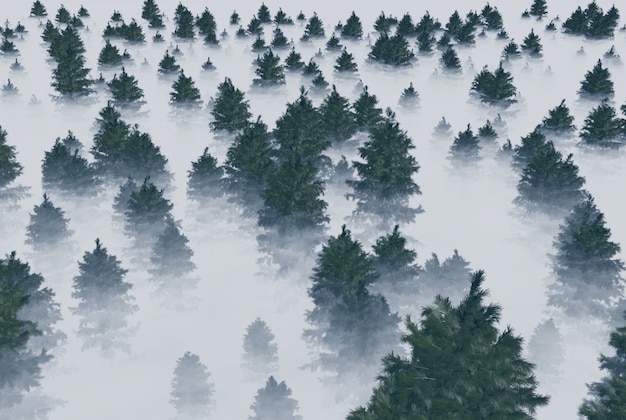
466 209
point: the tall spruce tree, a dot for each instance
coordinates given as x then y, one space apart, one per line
126 91
395 264
274 402
38 9
120 202
147 214
350 326
269 71
587 271
293 60
603 128
231 112
260 351
192 391
184 93
204 180
460 366
168 65
592 22
597 83
70 77
183 18
450 61
529 146
109 56
345 63
314 28
353 28
68 173
385 182
532 44
366 113
339 120
48 228
539 8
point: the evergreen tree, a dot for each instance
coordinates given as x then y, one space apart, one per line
511 51
559 120
120 202
465 147
68 173
281 18
280 40
192 392
427 24
126 91
597 83
385 182
425 42
459 366
184 92
406 27
392 50
345 63
311 69
109 141
545 350
205 178
293 60
443 128
148 213
366 113
447 278
83 12
314 28
532 44
48 228
319 85
171 259
263 14
450 61
455 23
150 10
70 76
333 43
548 183
604 128
10 168
231 112
50 32
352 327
339 120
492 17
587 271
608 397
206 24
132 32
410 97
487 134
109 55
259 45
269 70
168 65
234 18
184 23
260 352
592 22
539 8
530 145
255 27
38 9
395 264
274 402
384 23
7 47
103 299
353 28
63 15
494 88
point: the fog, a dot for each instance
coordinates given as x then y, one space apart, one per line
466 208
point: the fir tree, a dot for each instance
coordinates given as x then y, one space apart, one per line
587 271
549 183
545 350
184 93
427 24
443 128
465 147
205 178
592 22
280 40
425 42
274 402
447 278
109 55
50 32
263 14
333 43
385 182
597 83
532 44
511 50
63 15
530 145
168 65
603 128
450 61
7 47
405 27
103 299
192 392
487 134
38 9
455 23
68 173
339 120
234 18
259 45
83 12
410 97
184 23
314 28
474 370
149 10
109 141
345 63
311 69
120 202
171 259
148 213
139 158
48 227
281 18
269 70
384 23
352 327
392 50
231 112
126 91
353 28
559 120
206 23
395 264
494 88
132 32
539 8
10 168
319 85
492 17
255 27
366 113
293 60
70 76
608 397
260 352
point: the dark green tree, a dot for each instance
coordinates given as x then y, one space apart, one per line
231 112
184 93
50 32
38 9
171 260
559 120
260 351
234 18
492 18
150 10
109 55
269 71
450 61
183 18
281 18
274 402
10 168
109 141
395 264
206 23
148 213
384 23
530 145
608 397
427 24
511 51
263 14
255 27
345 63
603 128
314 28
367 114
447 278
204 180
333 43
465 147
592 22
168 65
68 173
392 50
410 98
63 15
385 177
353 28
70 77
425 42
339 120
406 27
532 44
597 83
192 391
280 40
459 366
487 134
126 91
494 88
48 227
539 8
120 202
455 23
294 60
588 279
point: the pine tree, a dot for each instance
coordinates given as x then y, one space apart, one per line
269 70
184 93
234 18
353 28
406 27
443 128
231 112
274 402
63 15
532 44
314 28
192 392
425 42
70 76
539 8
333 43
395 264
487 134
545 350
171 259
259 45
530 145
311 69
494 88
109 141
139 158
559 120
548 183
184 23
339 120
367 114
281 18
597 83
384 23
150 10
255 27
48 228
492 17
205 178
260 352
465 147
132 32
68 173
603 128
50 32
10 168
587 271
511 50
38 9
459 366
427 24
450 61
126 91
280 40
351 326
392 50
168 65
103 299
345 63
148 212
447 278
319 85
455 23
608 397
120 202
592 22
263 14
206 23
410 98
109 55
293 60
385 182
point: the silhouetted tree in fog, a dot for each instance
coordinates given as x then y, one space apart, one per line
559 120
171 260
339 120
205 179
231 112
545 350
184 93
183 18
592 22
38 9
597 83
495 88
539 8
260 351
192 393
120 202
10 169
274 402
48 228
395 264
366 113
465 147
448 278
126 91
147 214
68 173
603 128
